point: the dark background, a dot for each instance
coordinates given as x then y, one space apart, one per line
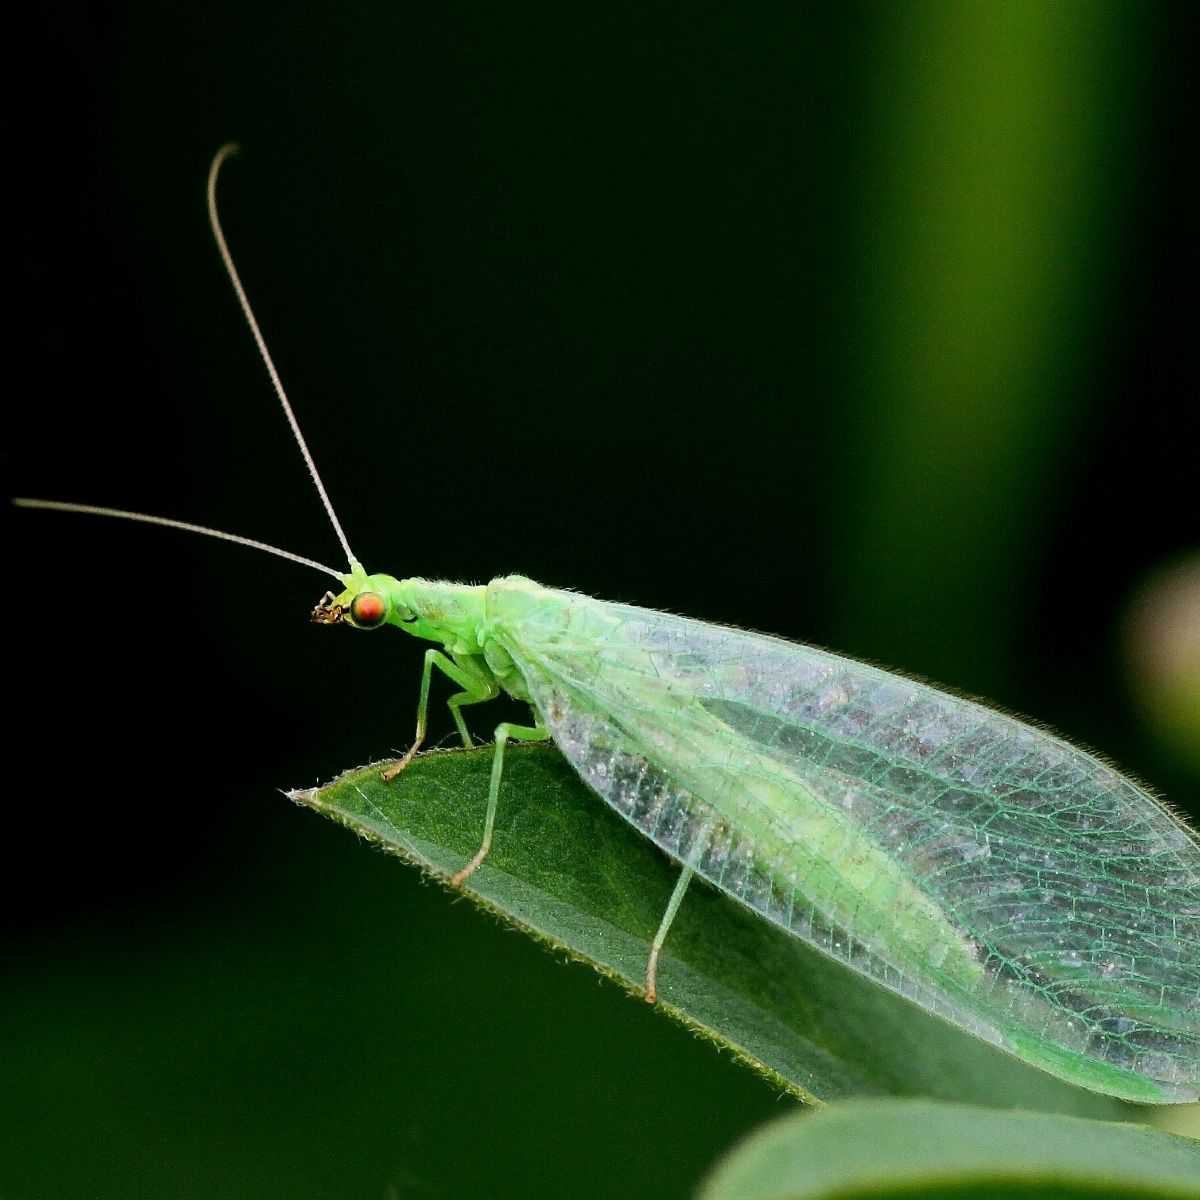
858 323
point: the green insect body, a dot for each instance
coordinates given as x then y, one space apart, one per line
991 873
984 869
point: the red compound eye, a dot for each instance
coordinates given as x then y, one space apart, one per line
368 610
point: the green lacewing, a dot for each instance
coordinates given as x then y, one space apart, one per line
988 871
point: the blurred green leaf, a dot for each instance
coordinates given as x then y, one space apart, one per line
918 1148
1162 654
569 871
990 187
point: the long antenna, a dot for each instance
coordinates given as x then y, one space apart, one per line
227 151
95 511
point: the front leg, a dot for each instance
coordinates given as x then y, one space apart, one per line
476 686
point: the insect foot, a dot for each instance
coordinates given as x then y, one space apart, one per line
397 767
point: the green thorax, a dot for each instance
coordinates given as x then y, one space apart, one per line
450 613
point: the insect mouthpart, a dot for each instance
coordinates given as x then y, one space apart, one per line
328 611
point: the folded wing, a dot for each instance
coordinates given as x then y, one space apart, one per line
989 871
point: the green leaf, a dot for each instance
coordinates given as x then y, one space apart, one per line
569 871
882 1148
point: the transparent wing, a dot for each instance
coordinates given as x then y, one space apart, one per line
998 876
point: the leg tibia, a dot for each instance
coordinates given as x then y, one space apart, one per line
476 689
519 733
685 877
